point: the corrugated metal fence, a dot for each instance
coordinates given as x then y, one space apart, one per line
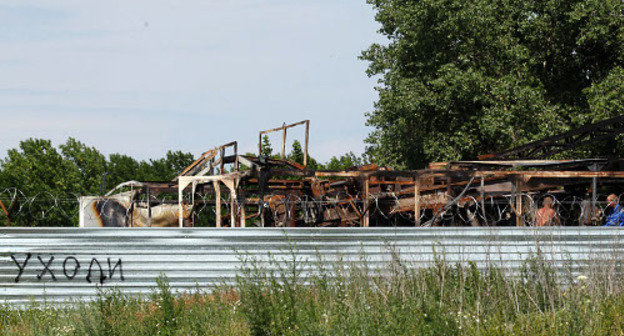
59 264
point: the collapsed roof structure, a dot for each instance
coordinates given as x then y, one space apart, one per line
237 190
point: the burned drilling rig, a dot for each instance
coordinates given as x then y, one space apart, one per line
225 189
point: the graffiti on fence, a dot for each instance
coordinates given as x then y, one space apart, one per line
70 267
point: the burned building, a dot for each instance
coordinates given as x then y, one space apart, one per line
223 188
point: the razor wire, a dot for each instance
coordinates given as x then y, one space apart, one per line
46 208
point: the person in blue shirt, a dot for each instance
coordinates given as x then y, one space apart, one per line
616 217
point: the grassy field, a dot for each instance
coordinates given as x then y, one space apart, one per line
441 300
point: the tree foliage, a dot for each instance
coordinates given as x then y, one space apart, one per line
296 154
50 180
346 161
267 150
462 78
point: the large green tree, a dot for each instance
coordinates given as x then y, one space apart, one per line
48 183
43 182
461 78
166 168
89 163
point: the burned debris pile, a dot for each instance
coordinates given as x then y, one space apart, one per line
223 188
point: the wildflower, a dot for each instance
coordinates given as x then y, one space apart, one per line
581 278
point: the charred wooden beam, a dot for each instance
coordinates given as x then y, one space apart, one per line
562 142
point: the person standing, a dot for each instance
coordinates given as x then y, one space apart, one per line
546 215
616 217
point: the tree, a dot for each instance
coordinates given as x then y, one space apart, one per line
38 167
167 168
267 150
462 78
296 155
89 163
121 168
48 182
346 161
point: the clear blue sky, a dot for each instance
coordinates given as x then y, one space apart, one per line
142 77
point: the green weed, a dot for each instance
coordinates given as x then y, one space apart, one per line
283 297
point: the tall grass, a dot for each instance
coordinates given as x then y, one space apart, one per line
280 298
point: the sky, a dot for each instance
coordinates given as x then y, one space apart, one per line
144 77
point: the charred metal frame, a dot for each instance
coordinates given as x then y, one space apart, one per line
206 162
284 129
559 143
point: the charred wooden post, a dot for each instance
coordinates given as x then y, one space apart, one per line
417 200
222 165
8 220
594 189
193 188
241 211
366 219
518 199
283 154
307 140
291 213
594 193
233 208
449 189
482 196
149 206
236 164
180 204
217 188
132 206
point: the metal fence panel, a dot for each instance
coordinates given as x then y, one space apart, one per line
61 264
